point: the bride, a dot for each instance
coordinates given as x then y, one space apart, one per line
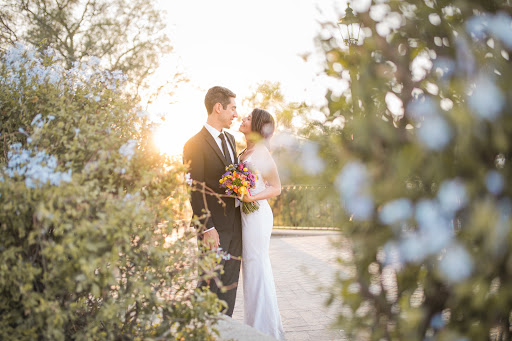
260 301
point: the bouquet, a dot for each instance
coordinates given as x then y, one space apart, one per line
238 180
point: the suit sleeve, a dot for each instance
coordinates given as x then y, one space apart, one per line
193 157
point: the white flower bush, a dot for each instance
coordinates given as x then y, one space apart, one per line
86 204
36 168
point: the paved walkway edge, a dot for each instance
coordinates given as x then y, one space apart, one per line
278 232
230 329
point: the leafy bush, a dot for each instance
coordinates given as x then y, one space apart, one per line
419 147
87 209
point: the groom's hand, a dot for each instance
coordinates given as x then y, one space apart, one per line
211 239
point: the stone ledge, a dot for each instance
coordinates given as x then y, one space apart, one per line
230 329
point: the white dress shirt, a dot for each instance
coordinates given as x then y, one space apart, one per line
215 134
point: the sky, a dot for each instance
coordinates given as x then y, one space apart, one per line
238 44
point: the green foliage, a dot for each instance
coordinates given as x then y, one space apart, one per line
304 206
268 96
425 181
89 211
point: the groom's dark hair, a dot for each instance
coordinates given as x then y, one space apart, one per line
217 94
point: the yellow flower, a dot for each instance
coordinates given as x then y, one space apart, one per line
246 183
234 173
221 180
245 169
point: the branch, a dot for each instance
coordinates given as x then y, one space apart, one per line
77 26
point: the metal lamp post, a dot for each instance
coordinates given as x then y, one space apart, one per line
350 27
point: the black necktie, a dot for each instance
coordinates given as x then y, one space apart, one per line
225 150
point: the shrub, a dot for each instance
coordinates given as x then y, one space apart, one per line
421 162
87 209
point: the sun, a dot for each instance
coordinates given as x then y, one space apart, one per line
170 140
183 118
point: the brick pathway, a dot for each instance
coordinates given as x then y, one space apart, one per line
302 262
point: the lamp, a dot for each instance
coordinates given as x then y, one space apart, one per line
349 27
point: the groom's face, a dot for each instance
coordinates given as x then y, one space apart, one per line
229 114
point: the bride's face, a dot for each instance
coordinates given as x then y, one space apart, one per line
245 126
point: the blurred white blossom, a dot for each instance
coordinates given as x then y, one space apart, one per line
435 133
452 195
466 64
437 321
486 99
413 248
284 140
500 161
128 149
310 161
476 26
494 182
421 107
352 178
456 264
444 67
188 179
37 167
396 211
499 26
24 66
37 121
353 184
391 255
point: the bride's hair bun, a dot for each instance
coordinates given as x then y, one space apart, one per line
262 123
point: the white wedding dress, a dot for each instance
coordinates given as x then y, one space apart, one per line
260 301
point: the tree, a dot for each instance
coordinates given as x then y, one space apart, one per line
89 212
422 169
268 96
126 35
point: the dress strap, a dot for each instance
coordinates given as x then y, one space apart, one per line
242 152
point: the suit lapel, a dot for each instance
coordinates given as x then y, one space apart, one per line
209 138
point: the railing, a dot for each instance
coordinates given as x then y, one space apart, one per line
305 206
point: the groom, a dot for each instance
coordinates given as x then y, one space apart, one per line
207 154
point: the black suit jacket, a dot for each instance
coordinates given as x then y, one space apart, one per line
207 164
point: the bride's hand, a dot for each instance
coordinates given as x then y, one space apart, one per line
247 198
